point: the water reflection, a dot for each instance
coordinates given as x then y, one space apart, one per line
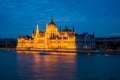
33 66
63 53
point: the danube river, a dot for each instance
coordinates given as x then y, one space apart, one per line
34 66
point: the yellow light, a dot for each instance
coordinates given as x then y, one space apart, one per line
62 40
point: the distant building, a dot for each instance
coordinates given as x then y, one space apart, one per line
8 43
51 38
108 43
85 41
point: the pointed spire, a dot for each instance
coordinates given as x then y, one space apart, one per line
51 19
37 29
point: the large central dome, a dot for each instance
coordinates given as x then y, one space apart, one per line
51 25
51 29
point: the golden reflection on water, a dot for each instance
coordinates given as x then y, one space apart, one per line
28 52
63 53
33 66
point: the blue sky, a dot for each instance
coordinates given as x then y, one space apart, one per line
19 17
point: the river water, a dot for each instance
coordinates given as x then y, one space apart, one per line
34 66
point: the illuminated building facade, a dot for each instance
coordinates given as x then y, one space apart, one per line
51 38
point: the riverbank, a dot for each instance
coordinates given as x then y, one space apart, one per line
65 51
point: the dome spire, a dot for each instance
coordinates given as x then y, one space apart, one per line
51 19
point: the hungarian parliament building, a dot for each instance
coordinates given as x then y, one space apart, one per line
52 38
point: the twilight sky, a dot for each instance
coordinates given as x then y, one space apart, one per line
19 17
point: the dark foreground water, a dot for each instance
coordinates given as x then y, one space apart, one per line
33 66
